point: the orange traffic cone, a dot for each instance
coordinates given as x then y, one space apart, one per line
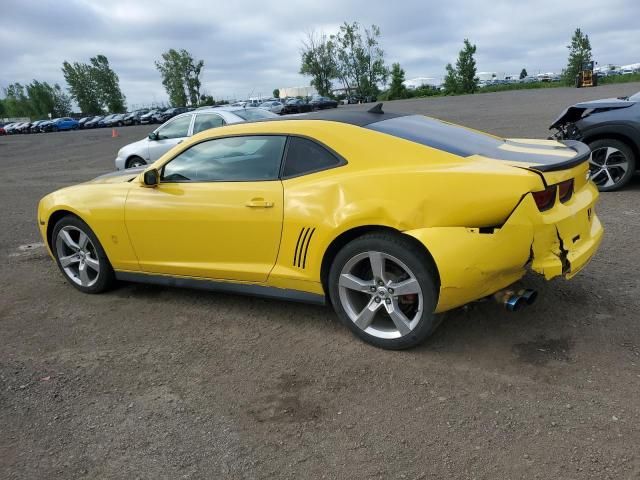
114 133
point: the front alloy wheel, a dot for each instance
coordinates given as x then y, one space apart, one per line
384 288
77 255
80 256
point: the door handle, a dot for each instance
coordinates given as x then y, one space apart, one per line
258 203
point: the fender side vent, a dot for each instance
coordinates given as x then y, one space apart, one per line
302 247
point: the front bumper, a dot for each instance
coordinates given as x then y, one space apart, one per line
473 263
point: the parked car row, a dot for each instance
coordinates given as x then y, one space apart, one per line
39 126
146 116
138 117
290 105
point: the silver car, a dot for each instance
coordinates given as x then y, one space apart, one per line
174 131
273 106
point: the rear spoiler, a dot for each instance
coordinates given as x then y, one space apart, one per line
583 152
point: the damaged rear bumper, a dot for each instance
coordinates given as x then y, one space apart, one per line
473 263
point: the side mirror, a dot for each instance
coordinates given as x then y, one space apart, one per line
154 136
151 178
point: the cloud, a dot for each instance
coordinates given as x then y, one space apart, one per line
252 47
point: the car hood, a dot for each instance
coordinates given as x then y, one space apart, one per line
135 148
577 111
120 176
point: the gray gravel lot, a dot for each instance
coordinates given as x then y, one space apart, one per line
149 382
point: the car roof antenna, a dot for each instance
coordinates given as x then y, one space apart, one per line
376 109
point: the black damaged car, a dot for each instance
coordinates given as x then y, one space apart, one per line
611 128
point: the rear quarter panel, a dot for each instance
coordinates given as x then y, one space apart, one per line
393 183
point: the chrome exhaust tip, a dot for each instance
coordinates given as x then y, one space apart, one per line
529 295
514 303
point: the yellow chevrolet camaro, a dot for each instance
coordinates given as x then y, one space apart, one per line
393 218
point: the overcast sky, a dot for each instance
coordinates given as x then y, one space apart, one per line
252 47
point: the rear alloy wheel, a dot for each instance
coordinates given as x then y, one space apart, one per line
134 162
384 289
612 164
80 256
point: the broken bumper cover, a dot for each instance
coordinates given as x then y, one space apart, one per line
557 242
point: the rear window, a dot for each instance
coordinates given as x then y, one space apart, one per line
438 134
253 113
465 142
305 156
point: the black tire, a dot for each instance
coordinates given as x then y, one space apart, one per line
106 277
133 160
624 150
54 129
421 267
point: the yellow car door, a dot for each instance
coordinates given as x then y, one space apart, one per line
216 212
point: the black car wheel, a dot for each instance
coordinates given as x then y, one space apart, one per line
135 162
54 128
384 289
612 164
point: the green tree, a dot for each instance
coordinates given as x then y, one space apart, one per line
359 58
523 73
397 88
180 77
451 83
45 99
373 58
83 87
579 54
62 103
466 68
206 100
16 101
276 93
318 62
3 111
107 83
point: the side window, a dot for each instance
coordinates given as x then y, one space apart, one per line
305 156
232 159
176 128
205 121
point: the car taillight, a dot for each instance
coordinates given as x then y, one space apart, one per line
565 190
545 198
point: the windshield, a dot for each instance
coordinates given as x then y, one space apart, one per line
635 97
254 114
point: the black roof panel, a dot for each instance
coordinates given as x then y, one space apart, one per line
359 118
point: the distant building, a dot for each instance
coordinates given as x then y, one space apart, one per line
418 82
633 67
488 76
297 92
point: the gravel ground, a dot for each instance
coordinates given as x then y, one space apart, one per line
150 382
